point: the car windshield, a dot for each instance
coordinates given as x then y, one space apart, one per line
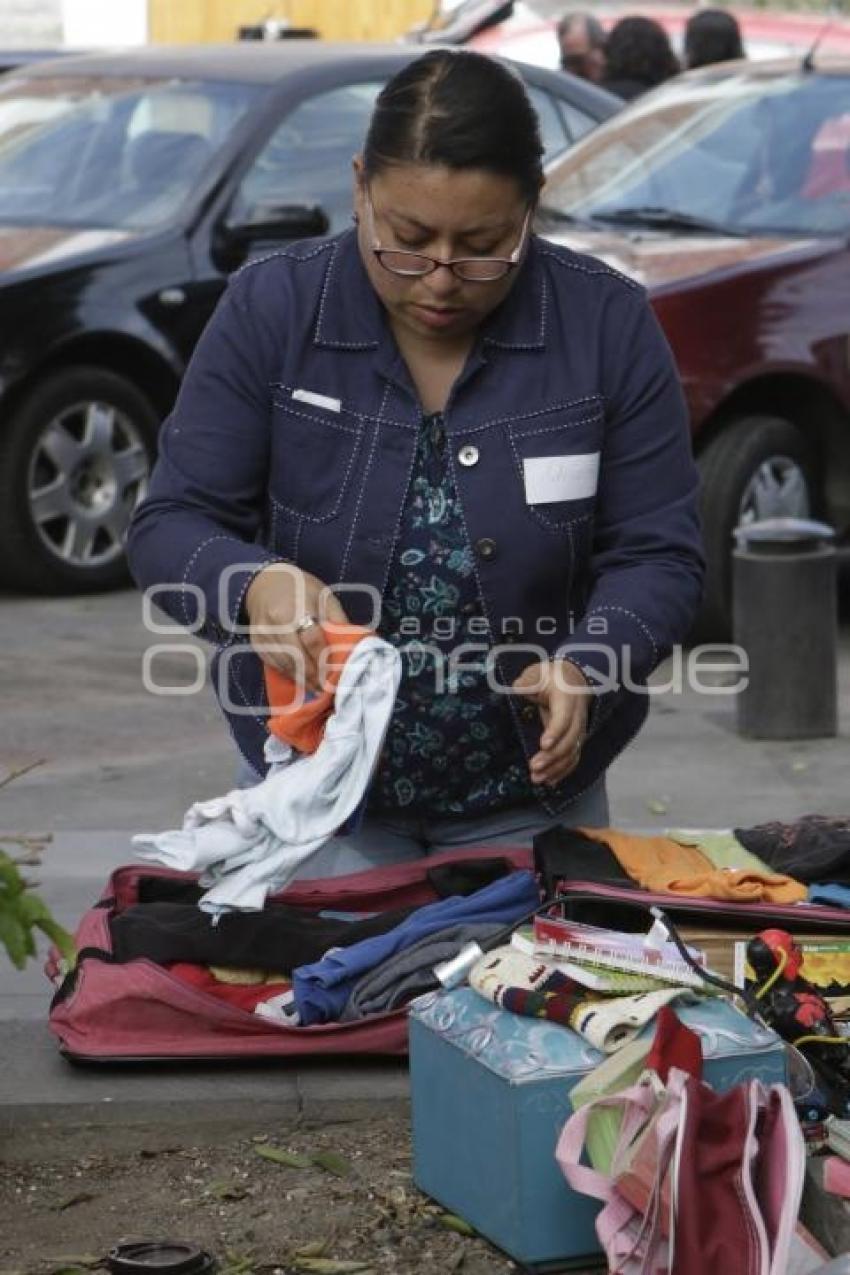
740 152
102 151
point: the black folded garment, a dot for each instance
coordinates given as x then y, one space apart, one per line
277 939
166 925
813 848
467 875
564 854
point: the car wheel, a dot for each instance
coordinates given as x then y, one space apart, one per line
757 467
75 457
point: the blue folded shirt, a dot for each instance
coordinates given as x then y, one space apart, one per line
838 896
323 988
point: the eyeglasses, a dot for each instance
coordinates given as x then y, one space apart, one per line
413 265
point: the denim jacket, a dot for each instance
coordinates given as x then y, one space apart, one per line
293 438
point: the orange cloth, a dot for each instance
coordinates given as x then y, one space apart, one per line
657 863
303 726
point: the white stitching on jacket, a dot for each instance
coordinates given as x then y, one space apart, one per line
526 345
191 562
332 513
369 460
281 252
600 269
547 522
399 518
326 421
320 318
638 621
540 411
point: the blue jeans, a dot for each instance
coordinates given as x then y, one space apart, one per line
383 839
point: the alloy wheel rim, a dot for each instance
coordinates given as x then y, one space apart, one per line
88 470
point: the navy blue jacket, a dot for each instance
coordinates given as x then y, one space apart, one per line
572 363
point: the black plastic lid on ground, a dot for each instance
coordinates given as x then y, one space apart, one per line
171 1256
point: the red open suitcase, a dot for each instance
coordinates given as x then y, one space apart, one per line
137 1011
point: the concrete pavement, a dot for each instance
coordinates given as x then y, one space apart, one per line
118 759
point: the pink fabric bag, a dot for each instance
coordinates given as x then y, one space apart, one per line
725 1182
139 1011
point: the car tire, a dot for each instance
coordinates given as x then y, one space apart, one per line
75 457
757 467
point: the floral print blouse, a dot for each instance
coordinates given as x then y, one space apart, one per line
452 748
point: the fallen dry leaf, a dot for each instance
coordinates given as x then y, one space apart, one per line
333 1162
454 1223
278 1155
82 1197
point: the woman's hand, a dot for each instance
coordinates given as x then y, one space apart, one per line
562 692
279 600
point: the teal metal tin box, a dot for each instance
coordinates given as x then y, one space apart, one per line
490 1094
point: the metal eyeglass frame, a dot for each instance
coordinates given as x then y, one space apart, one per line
510 263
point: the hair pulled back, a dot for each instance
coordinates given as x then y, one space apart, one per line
459 109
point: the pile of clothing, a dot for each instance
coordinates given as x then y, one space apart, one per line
304 968
804 861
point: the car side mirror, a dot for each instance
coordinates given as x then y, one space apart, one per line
270 223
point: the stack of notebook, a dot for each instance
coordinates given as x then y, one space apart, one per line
608 961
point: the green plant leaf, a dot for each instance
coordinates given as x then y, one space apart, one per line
16 940
21 912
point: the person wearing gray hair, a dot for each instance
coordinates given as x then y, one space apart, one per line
581 38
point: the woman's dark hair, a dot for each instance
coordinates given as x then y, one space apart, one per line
459 109
712 35
638 49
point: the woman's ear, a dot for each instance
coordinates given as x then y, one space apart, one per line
359 171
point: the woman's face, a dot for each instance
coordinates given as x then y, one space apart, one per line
446 213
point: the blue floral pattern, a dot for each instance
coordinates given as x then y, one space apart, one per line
452 748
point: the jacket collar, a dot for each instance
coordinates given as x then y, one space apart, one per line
352 318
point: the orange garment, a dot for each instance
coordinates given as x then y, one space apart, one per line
300 722
657 863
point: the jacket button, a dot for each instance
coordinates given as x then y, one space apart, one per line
485 548
529 713
468 455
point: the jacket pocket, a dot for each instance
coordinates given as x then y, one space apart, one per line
557 459
314 453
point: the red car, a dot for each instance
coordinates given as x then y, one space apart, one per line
530 37
727 193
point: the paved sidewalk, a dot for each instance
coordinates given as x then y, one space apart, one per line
41 1094
116 757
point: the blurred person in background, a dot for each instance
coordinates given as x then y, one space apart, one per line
581 38
712 35
638 55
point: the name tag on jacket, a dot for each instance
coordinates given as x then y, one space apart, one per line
551 478
318 400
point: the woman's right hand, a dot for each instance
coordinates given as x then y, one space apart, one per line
279 598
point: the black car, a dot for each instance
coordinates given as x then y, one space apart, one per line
11 59
130 186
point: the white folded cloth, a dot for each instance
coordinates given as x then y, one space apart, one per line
253 840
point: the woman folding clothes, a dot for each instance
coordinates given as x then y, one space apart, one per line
443 427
